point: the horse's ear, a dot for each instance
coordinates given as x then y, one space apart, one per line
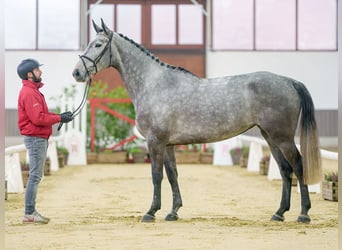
97 28
105 28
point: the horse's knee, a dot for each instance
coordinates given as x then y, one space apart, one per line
157 177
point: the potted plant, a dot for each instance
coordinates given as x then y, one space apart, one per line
47 167
25 170
187 154
137 154
264 165
235 153
207 156
330 186
62 154
106 155
244 156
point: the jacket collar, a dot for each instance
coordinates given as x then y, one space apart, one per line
34 85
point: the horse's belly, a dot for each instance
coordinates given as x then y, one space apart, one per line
194 133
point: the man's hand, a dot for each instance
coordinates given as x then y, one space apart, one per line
66 117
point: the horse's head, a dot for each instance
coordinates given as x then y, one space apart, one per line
97 56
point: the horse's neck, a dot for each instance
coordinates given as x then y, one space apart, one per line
133 65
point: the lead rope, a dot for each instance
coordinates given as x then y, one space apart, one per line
80 107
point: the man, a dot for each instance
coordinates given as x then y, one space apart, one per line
35 123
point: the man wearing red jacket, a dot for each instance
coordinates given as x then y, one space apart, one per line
35 124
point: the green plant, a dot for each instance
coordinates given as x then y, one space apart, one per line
62 150
24 165
265 159
136 146
109 129
245 151
332 176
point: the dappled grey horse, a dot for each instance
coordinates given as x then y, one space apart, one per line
174 106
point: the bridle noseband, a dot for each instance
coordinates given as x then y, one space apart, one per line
94 62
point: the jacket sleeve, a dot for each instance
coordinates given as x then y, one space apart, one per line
37 111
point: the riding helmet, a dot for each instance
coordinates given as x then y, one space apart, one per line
27 65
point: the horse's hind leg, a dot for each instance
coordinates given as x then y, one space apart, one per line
289 160
172 175
285 172
304 192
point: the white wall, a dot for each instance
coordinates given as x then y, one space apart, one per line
317 70
57 73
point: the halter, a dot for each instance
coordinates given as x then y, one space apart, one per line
94 62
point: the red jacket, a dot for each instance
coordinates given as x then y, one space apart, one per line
34 118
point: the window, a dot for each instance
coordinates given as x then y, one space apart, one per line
53 26
58 26
131 26
98 11
177 25
274 25
190 24
163 22
233 24
20 33
156 24
317 24
115 17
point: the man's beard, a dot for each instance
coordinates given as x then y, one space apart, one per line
36 79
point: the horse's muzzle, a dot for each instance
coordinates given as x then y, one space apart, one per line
77 75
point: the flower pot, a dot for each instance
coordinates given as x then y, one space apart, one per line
91 157
25 176
47 169
187 157
61 160
243 161
263 168
139 157
206 158
236 158
330 190
112 157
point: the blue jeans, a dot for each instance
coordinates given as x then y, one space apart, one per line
37 148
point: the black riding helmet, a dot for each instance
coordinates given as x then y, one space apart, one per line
27 65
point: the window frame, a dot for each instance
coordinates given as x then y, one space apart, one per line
275 49
146 19
36 28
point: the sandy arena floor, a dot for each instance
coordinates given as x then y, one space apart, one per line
100 207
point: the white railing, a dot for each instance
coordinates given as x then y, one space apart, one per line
255 154
15 182
324 153
13 166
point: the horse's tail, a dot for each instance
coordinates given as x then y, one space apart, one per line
309 144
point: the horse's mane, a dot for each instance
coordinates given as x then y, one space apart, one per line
153 57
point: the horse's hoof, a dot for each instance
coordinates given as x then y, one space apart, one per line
277 217
303 219
171 217
148 218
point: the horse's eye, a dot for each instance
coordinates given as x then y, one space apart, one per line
98 45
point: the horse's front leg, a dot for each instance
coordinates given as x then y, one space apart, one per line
172 175
156 150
